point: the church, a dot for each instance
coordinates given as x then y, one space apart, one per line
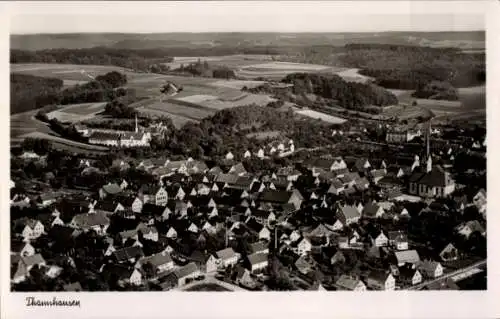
431 181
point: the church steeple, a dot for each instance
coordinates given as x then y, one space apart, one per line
136 126
428 150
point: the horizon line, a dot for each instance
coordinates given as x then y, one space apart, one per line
237 32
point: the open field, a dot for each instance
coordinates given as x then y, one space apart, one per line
352 75
65 144
195 113
77 112
278 70
64 72
321 116
231 61
237 84
177 120
25 123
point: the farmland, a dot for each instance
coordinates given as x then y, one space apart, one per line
77 112
321 116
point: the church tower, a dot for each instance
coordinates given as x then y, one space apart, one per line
136 126
428 148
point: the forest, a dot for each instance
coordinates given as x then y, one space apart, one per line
206 70
350 95
28 92
409 67
139 60
32 92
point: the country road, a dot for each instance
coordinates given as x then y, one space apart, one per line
448 275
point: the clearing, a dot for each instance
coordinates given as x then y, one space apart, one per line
321 116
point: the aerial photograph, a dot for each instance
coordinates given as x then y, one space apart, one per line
148 157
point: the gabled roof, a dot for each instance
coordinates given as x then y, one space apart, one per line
35 259
407 256
349 212
93 219
397 235
128 253
186 270
226 253
258 247
257 258
347 282
158 259
371 209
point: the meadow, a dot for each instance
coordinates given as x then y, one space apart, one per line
321 116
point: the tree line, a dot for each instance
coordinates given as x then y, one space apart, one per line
350 95
140 60
206 70
410 67
32 92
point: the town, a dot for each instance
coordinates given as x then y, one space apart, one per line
163 175
329 222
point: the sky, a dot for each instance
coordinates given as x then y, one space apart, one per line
245 16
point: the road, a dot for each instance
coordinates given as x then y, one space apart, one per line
449 275
211 280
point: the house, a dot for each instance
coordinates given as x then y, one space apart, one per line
434 182
327 164
244 278
258 261
431 269
398 239
53 271
377 174
93 220
406 257
470 227
265 234
228 257
160 262
449 253
259 247
378 238
180 276
171 233
23 249
336 187
350 283
229 156
128 254
237 169
110 189
276 197
304 247
373 210
337 258
479 200
303 264
32 230
380 280
47 199
410 276
148 232
347 214
156 195
25 264
247 154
